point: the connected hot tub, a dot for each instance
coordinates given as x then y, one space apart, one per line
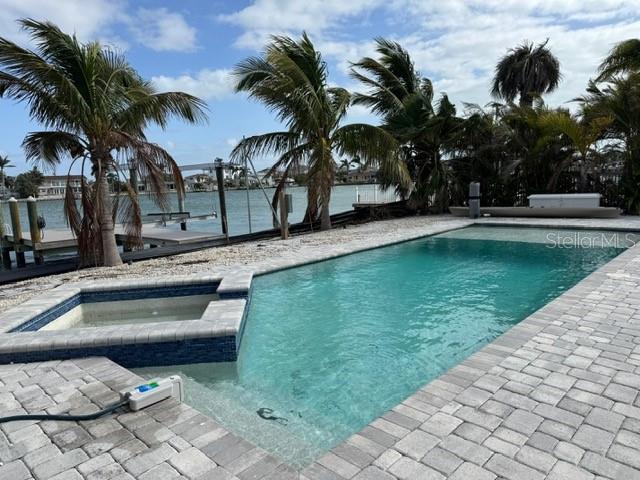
161 321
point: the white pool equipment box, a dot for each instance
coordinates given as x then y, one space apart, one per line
566 200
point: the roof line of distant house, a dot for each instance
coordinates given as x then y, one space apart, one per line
55 177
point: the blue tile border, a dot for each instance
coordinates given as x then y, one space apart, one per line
233 295
143 293
98 296
198 350
39 321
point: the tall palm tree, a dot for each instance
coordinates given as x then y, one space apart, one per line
404 99
290 78
623 58
94 107
526 71
4 163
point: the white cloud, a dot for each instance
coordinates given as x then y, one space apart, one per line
158 29
268 17
86 18
162 30
206 84
473 35
455 42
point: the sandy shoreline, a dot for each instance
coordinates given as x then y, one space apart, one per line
246 254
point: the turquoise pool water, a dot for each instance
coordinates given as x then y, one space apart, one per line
331 346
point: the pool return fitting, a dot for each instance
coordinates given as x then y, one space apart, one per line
142 396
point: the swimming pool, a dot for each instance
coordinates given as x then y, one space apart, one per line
328 347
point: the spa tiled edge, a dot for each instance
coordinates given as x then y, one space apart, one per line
215 336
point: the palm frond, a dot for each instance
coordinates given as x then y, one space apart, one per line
623 58
274 143
48 148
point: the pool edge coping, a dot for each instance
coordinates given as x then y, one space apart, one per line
222 318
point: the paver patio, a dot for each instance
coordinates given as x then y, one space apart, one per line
555 397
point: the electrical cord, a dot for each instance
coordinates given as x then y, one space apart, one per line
68 418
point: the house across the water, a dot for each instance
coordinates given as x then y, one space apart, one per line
55 186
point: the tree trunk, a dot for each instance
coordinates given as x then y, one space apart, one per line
325 217
110 254
526 101
583 174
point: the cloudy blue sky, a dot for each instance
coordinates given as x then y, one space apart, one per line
191 45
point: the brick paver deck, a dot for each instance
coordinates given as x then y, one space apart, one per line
555 397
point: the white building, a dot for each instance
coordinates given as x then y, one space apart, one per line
365 176
199 182
55 186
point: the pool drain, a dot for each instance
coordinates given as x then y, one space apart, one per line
267 414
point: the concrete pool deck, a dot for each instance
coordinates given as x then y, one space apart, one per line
554 397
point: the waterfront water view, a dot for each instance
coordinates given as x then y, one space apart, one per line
204 203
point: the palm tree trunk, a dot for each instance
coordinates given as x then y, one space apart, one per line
583 174
325 217
526 101
110 254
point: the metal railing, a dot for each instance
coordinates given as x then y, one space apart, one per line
376 196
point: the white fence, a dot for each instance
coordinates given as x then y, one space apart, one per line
375 195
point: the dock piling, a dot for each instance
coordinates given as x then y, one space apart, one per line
223 204
34 229
4 248
284 213
181 209
16 229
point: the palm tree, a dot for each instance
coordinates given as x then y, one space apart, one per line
479 154
404 99
526 71
94 107
290 78
532 165
581 134
623 58
357 162
345 164
4 163
619 100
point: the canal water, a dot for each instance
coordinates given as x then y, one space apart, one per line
205 203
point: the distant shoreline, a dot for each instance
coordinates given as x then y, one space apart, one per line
48 199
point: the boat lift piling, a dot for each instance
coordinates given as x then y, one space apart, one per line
246 186
181 209
223 204
285 203
16 230
4 248
35 230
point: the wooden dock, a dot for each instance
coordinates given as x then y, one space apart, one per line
56 241
63 239
158 236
